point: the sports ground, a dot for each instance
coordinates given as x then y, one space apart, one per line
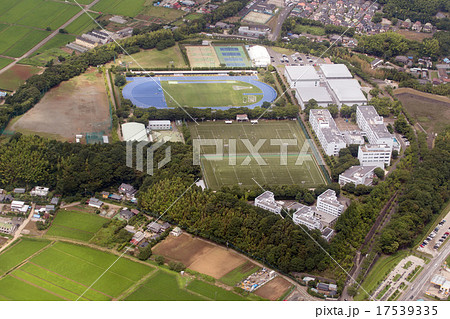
209 56
300 169
217 92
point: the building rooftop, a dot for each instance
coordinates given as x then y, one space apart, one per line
332 71
358 171
327 125
268 199
318 93
347 90
302 73
375 121
375 148
329 197
133 131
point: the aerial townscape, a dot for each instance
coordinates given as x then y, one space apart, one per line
235 150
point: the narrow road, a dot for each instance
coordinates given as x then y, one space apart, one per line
277 30
51 36
18 232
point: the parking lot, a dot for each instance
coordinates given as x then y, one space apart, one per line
296 59
437 237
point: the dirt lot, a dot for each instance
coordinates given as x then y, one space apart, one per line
416 36
17 75
77 106
3 240
199 255
274 289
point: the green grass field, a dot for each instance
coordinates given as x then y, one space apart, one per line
19 252
213 292
82 24
155 59
63 272
76 225
4 62
238 274
165 14
163 286
49 51
299 168
379 271
120 7
210 94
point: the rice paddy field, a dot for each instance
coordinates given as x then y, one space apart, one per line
17 40
120 7
63 271
76 225
300 167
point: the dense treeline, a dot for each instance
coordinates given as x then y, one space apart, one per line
424 196
75 169
423 11
224 218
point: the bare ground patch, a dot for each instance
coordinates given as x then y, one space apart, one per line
199 255
274 289
77 106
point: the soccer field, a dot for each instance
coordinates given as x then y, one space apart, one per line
300 166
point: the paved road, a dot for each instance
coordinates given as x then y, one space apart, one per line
283 16
54 33
18 232
419 285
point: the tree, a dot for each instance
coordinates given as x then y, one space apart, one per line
145 253
266 105
176 266
379 172
120 80
431 48
160 260
394 154
401 125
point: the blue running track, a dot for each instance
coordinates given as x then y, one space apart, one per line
146 92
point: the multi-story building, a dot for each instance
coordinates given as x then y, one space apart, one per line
159 125
267 201
358 175
326 130
301 76
7 228
373 125
254 32
327 202
375 155
306 215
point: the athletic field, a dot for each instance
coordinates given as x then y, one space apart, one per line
300 169
201 56
218 92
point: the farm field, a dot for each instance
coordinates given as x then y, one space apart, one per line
77 106
431 111
11 79
82 24
274 289
63 272
16 40
155 59
163 286
49 51
240 273
125 8
213 292
160 14
4 62
199 255
299 169
76 225
20 251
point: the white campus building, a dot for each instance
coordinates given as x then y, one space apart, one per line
306 215
327 202
375 155
259 55
159 125
133 131
358 175
373 125
326 130
267 201
301 76
335 71
347 91
318 93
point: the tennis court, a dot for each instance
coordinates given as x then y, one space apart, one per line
201 56
233 56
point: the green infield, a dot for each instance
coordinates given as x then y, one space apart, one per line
298 166
76 225
163 286
210 94
64 271
213 292
240 273
120 7
19 252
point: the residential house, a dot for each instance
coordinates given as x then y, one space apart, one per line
94 202
154 227
39 191
126 214
127 189
137 238
19 191
176 231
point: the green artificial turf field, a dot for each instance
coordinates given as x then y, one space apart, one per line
300 167
63 271
76 225
210 94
